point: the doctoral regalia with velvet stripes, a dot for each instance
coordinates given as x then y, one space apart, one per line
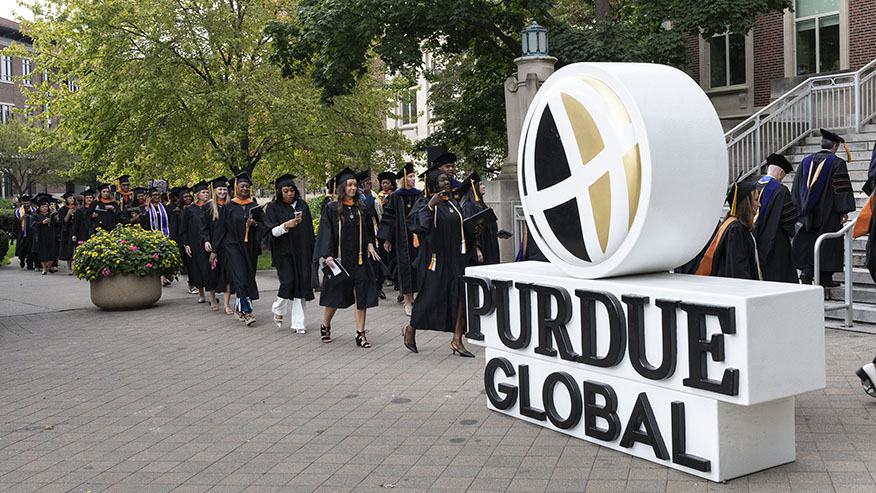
775 228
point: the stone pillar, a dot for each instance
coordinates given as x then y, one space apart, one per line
502 193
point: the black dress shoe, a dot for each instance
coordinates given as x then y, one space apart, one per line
411 347
462 352
381 294
400 299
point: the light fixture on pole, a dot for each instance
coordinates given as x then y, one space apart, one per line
534 40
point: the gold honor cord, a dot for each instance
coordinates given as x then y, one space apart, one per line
474 191
340 229
735 194
463 248
811 180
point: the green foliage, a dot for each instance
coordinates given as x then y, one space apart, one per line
264 262
7 221
183 90
4 248
474 43
24 164
127 250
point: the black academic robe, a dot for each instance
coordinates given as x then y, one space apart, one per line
731 251
441 263
394 228
291 252
65 232
774 230
488 239
23 233
44 245
82 227
106 219
175 213
190 235
821 214
217 273
126 201
240 245
347 242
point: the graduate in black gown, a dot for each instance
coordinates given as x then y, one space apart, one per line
397 238
44 223
104 211
217 277
65 229
124 196
154 217
345 237
439 156
184 199
775 223
822 193
190 235
237 237
374 208
387 185
289 232
24 233
445 248
472 202
82 227
731 251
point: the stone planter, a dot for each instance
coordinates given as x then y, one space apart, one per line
126 291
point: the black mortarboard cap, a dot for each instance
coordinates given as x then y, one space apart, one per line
201 185
25 198
242 177
438 154
468 183
43 198
344 175
780 161
181 192
286 180
827 134
124 179
138 190
406 170
68 194
386 175
219 182
364 174
151 190
86 193
103 186
737 192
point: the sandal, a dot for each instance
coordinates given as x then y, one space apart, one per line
229 311
361 341
325 333
278 321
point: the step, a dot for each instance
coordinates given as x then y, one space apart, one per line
860 313
860 294
811 148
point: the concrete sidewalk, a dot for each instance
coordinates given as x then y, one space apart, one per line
179 398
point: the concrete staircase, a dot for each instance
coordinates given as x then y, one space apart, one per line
863 289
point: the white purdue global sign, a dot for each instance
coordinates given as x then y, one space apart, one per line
622 173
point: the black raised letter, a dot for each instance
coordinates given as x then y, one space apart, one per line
679 442
617 328
510 391
636 324
547 396
698 347
643 415
608 412
503 316
473 287
525 408
550 327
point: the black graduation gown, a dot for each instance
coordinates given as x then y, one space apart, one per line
487 240
190 235
354 235
240 247
773 232
292 252
44 245
106 219
127 206
441 264
23 233
394 227
734 255
65 232
175 213
82 227
822 217
217 275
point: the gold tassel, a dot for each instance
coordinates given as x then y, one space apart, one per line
416 241
474 191
432 263
360 258
733 205
848 154
246 234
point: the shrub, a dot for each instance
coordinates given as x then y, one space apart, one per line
4 247
7 221
127 250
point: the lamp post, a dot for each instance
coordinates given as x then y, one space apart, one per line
533 68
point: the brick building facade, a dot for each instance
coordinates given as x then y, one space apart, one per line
742 73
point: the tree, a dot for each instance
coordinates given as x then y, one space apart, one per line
182 89
23 166
475 43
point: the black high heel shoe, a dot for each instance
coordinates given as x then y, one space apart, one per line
462 352
411 347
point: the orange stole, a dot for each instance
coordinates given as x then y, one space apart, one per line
862 222
705 267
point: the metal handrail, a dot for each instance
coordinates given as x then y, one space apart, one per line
846 233
820 101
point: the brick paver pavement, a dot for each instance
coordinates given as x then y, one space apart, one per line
179 398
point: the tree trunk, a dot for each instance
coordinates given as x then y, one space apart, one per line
603 8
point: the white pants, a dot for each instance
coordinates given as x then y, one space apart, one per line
281 307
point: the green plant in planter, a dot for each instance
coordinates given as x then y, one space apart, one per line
127 250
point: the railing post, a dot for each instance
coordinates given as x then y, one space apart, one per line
857 93
757 143
848 275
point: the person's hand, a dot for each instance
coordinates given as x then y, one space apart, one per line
46 220
387 246
109 207
251 222
188 250
93 215
330 261
208 247
478 229
73 239
480 255
372 252
844 218
435 200
213 258
504 234
135 218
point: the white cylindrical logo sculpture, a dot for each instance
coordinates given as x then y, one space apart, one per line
623 168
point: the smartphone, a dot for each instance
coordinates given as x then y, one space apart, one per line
298 214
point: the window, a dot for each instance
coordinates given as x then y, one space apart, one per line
73 85
6 113
6 68
727 60
408 106
25 71
817 36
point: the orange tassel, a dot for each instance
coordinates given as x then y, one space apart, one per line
416 241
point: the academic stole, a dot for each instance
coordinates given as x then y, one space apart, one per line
705 267
22 218
158 217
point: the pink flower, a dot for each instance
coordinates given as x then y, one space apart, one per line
155 255
121 242
81 242
133 249
105 271
148 265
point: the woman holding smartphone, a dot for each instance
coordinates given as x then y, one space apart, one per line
289 232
